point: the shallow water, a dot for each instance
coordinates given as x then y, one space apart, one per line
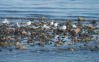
66 56
50 8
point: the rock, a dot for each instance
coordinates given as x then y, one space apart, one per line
77 30
17 44
98 33
29 39
31 44
59 50
41 43
8 37
81 19
24 33
3 44
90 26
37 24
71 48
22 48
59 44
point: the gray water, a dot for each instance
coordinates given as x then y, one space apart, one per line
58 9
67 56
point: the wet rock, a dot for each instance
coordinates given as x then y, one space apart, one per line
17 44
81 19
24 33
8 37
77 30
3 44
59 44
90 26
23 48
41 43
71 48
98 33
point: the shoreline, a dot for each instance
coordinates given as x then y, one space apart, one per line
46 18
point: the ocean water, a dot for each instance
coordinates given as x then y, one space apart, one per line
65 56
58 9
55 9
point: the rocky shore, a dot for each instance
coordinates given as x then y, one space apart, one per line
50 32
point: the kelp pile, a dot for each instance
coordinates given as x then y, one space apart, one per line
50 32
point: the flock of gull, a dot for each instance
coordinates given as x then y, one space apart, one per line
69 34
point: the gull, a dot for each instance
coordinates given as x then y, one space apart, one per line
18 25
55 24
52 23
45 26
56 36
64 27
35 27
5 21
28 23
74 26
